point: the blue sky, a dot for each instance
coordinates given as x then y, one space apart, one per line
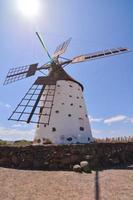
93 25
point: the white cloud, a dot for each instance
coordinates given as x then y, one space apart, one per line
19 125
96 131
111 120
16 134
92 119
114 119
99 133
6 105
16 125
130 120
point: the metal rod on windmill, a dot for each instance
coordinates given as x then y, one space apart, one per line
44 45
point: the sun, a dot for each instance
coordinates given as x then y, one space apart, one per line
29 8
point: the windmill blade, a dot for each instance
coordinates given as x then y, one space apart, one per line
39 98
18 73
61 48
99 54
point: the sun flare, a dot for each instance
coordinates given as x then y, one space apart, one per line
29 8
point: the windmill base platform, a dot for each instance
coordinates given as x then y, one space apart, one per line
63 157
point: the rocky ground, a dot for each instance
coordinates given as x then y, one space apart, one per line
61 185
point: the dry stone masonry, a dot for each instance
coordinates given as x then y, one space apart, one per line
64 157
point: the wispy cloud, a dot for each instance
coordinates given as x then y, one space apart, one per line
16 134
6 105
130 120
19 125
99 133
93 119
16 125
96 131
114 119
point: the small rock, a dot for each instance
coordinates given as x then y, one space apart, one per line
85 166
77 168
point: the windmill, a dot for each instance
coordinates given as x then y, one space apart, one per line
55 102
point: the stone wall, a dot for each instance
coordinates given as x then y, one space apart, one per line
63 157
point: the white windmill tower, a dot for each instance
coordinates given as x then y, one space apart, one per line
55 102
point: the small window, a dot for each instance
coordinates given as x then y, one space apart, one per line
71 104
80 106
70 95
44 125
62 103
88 139
81 128
69 139
57 111
80 118
70 86
41 109
69 115
86 116
53 129
58 85
77 97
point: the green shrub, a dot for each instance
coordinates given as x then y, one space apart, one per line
22 142
2 142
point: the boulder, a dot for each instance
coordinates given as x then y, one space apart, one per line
84 164
85 167
77 168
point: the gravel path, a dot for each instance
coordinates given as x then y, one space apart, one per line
45 185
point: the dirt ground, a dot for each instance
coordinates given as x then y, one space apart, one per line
51 185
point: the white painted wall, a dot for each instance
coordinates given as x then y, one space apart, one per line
69 121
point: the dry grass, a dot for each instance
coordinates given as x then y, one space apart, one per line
45 185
